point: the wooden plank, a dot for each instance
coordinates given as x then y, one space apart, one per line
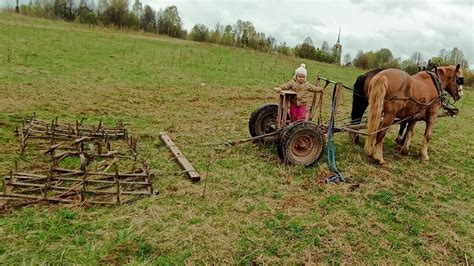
313 108
280 112
285 97
339 89
284 114
185 164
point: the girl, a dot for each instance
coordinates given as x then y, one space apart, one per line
303 90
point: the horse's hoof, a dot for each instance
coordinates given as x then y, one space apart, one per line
424 158
377 161
405 152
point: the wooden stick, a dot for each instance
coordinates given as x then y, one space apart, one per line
193 175
110 165
149 178
116 192
98 173
40 198
71 189
312 110
84 188
98 181
47 188
118 184
126 181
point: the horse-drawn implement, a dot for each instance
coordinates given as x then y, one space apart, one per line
53 150
303 142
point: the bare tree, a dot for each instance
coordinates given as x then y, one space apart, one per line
417 58
347 59
325 46
138 8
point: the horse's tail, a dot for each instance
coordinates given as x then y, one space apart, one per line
377 89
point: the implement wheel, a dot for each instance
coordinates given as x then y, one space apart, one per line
264 121
301 143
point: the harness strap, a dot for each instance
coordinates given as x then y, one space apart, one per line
444 103
436 80
412 99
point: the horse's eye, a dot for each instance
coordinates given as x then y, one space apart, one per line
460 81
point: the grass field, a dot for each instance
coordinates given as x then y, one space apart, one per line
250 208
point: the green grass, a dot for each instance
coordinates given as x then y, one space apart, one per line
254 210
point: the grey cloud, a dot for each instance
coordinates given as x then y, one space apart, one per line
395 8
358 1
402 26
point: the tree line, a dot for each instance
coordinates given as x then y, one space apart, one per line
109 13
384 58
120 13
167 21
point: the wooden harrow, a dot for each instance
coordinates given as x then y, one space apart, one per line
40 133
97 146
78 187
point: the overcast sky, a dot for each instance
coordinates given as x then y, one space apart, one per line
402 26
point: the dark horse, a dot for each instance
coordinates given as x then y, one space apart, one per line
360 103
395 94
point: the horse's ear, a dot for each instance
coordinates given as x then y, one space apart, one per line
440 70
458 66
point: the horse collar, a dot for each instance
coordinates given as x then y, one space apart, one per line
436 80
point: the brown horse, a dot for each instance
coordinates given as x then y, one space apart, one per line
395 94
360 103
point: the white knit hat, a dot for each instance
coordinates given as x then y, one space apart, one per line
301 70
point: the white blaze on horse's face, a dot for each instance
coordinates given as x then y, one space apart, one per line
458 81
